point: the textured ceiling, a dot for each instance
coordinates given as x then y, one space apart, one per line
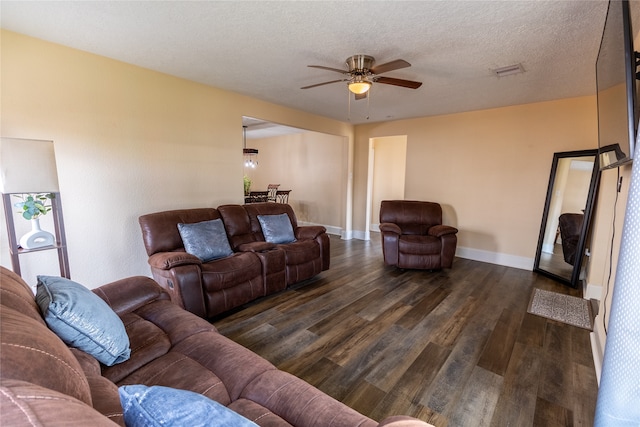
262 48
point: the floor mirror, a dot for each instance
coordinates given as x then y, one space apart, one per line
566 219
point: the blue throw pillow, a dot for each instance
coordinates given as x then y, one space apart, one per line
82 319
277 228
207 239
164 406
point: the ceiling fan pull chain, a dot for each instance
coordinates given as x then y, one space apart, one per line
368 98
349 104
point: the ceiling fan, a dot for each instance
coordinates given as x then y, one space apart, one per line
362 73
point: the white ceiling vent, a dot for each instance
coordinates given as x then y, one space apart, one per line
508 70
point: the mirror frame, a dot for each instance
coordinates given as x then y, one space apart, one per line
586 224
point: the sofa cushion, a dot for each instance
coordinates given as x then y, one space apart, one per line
148 342
82 319
27 404
207 239
165 406
419 245
32 352
276 228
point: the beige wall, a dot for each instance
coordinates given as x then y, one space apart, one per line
314 166
489 169
605 248
128 141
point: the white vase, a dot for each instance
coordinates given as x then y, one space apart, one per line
36 238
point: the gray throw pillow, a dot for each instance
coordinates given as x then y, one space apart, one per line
82 319
277 228
165 406
207 239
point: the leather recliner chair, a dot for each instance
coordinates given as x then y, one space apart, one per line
414 237
570 228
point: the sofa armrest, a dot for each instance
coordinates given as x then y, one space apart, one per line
441 230
256 247
129 294
309 232
168 260
403 421
388 227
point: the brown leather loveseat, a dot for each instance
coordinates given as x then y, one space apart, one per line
43 382
414 237
254 269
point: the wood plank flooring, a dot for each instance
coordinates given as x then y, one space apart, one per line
453 347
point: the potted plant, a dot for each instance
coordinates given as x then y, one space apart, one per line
32 207
247 185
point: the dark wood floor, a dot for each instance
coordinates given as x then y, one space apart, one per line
454 347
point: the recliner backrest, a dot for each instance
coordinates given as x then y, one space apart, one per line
413 217
160 230
237 224
255 209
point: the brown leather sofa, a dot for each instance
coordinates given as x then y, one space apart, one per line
45 383
414 237
255 269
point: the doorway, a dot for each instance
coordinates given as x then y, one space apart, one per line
312 165
386 175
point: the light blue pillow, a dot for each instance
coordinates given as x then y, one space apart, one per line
277 228
82 319
207 239
164 406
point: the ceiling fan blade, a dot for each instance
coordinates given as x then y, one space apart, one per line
329 68
390 66
322 84
398 82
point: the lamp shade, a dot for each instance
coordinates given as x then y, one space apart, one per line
27 166
359 87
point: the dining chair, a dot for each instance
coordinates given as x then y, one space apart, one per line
272 189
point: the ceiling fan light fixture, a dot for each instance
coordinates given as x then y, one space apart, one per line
359 86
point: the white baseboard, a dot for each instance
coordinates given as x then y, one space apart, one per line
360 235
598 339
591 291
507 260
338 231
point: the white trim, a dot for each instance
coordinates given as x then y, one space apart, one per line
360 235
338 231
524 263
375 227
598 338
369 201
591 291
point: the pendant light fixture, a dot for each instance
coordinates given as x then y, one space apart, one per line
250 154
